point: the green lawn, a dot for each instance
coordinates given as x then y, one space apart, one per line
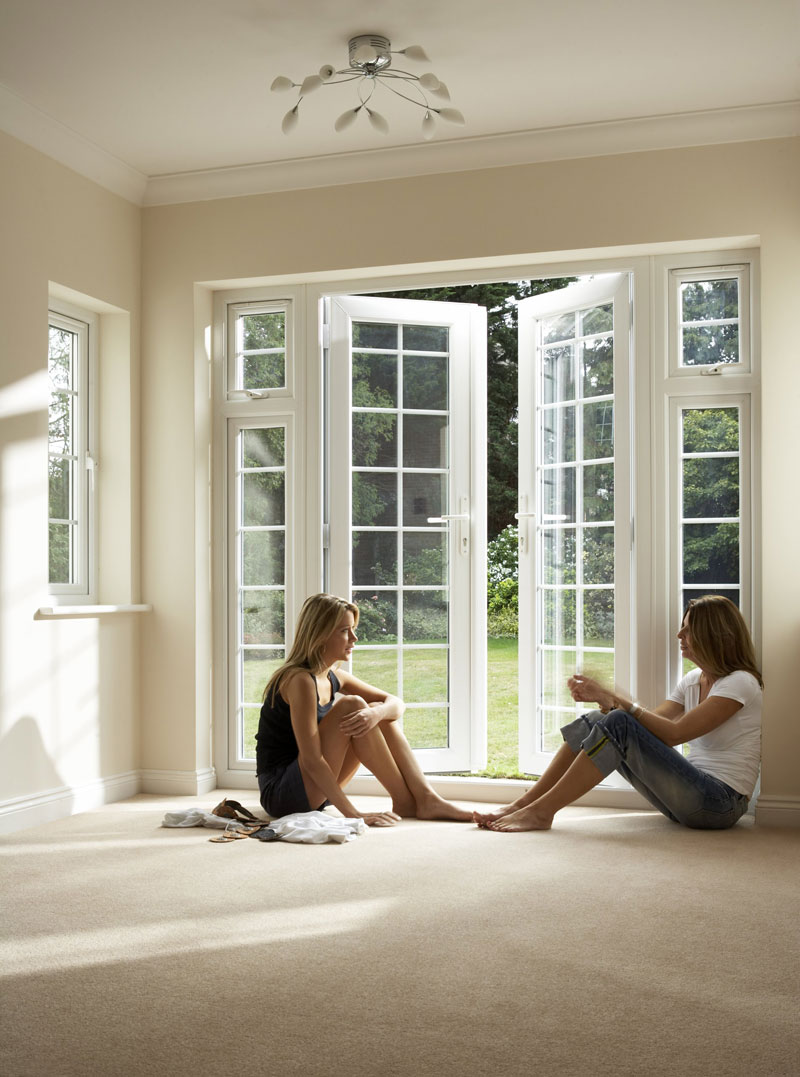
424 679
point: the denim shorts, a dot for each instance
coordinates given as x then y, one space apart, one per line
682 792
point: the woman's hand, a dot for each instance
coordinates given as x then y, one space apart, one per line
587 690
359 724
381 818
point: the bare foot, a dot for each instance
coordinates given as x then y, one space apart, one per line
483 819
528 818
436 807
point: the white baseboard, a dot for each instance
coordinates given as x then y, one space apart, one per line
503 791
178 783
778 811
19 813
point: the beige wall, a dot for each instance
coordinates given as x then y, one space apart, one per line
707 193
69 698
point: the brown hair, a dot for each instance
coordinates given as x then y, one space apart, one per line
720 638
317 621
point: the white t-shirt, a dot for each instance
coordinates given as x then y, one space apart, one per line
732 751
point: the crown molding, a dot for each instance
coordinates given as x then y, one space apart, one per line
53 138
711 127
750 123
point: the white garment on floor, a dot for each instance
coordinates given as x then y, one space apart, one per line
196 817
316 828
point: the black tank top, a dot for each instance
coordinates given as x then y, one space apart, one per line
276 745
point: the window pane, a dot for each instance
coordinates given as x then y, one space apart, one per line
374 440
558 374
374 335
425 441
260 331
704 300
598 367
60 358
708 345
377 620
263 448
263 617
711 430
598 319
711 553
60 553
557 668
598 493
424 675
558 435
728 592
60 507
425 558
598 555
711 487
424 496
425 338
374 499
426 727
552 721
377 667
425 616
425 383
558 493
558 548
598 618
558 617
263 499
374 381
263 554
598 430
562 327
60 423
374 557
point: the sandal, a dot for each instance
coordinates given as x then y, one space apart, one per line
232 809
230 835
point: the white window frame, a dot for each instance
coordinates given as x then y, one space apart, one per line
84 324
235 410
676 387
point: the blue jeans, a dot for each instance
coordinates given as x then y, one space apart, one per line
682 792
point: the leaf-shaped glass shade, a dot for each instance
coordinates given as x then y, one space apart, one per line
313 82
280 84
452 115
415 52
290 120
429 81
347 118
378 122
428 125
327 71
442 91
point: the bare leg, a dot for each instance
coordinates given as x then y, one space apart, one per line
428 803
581 776
556 769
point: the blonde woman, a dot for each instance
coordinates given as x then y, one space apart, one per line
715 709
319 724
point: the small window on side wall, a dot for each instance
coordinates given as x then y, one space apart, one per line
71 463
259 350
710 317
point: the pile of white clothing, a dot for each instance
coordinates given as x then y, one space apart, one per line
309 827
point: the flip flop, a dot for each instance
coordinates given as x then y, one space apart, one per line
232 809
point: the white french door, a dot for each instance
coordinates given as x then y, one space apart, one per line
407 511
575 534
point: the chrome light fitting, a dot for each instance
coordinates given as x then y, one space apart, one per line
370 64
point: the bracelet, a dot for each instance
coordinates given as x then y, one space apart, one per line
637 710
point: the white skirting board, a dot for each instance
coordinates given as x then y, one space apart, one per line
37 809
778 811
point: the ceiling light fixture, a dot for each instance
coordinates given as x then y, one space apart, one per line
370 63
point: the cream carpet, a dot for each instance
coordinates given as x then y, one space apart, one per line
617 943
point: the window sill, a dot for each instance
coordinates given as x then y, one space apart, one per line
49 613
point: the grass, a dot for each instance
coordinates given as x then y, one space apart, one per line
425 679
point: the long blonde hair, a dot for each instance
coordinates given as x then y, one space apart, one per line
720 638
317 621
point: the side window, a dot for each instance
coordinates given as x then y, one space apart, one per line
71 509
710 319
259 350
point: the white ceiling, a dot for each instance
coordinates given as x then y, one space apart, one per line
163 87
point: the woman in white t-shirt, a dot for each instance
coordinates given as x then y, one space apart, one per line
715 709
